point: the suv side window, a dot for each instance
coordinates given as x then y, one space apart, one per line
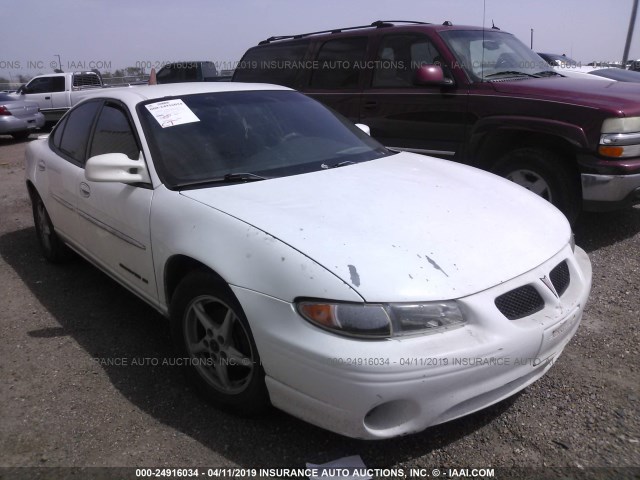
113 133
338 63
279 64
399 56
76 133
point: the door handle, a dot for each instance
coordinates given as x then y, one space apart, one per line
42 166
370 105
47 98
85 190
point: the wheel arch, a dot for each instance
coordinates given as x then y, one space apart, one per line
32 190
492 137
179 266
496 144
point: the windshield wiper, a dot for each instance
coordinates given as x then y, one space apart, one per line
228 178
511 73
342 164
242 177
549 73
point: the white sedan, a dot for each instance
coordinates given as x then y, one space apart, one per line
302 264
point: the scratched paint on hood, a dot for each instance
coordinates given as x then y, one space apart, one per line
435 265
353 273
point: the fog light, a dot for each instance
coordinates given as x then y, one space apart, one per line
391 414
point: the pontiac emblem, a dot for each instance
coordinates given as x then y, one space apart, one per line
549 285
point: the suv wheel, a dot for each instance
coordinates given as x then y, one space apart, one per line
546 174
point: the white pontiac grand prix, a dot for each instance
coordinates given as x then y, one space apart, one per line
304 265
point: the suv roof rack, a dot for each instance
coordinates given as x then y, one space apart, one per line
376 24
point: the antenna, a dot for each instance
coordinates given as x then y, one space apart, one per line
484 12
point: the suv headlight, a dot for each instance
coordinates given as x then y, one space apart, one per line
620 137
381 320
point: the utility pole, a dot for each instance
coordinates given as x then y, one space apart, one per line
532 38
632 22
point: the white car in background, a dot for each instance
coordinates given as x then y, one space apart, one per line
573 69
303 264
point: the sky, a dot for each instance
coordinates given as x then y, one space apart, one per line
113 34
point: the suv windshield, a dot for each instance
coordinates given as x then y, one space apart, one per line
239 136
491 55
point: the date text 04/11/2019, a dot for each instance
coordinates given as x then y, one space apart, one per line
436 361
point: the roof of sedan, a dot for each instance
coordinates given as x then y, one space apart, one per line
135 94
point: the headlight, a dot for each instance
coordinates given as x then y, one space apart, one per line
382 320
621 125
620 137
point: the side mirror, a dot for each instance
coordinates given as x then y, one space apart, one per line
116 167
22 89
431 75
364 128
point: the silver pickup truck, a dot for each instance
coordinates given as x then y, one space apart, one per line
55 93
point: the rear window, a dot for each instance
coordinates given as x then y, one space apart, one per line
280 64
86 80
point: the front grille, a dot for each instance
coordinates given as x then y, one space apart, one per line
519 303
560 277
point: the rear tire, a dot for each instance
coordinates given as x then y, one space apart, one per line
53 248
211 333
546 174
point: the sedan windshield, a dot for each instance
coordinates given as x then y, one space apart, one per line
494 55
229 137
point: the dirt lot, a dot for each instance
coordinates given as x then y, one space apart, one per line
59 407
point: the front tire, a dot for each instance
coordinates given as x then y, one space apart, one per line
212 336
546 174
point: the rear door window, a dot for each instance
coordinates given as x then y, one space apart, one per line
76 132
339 63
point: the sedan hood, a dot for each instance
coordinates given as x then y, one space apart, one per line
402 228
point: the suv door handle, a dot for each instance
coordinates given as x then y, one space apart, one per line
371 104
47 98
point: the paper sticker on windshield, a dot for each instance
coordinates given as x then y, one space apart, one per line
170 113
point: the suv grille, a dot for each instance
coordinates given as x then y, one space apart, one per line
560 277
519 303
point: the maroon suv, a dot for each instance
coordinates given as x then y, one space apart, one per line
474 95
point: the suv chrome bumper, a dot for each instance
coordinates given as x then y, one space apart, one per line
608 192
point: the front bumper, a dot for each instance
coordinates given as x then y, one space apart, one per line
610 192
385 388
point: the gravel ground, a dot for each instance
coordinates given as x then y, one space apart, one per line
59 407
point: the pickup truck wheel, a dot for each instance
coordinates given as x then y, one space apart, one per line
53 248
212 336
544 173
